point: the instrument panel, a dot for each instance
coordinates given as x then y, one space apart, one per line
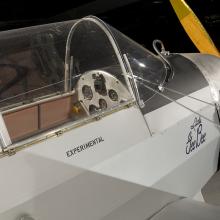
98 90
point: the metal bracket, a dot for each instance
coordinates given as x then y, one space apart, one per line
162 54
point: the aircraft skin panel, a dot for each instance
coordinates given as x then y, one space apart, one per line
91 196
186 73
188 209
209 66
180 180
172 113
42 166
48 162
140 208
143 206
29 175
87 196
156 158
113 130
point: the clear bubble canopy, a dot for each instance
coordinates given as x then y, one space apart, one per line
47 60
84 65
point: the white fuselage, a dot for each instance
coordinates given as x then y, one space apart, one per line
65 169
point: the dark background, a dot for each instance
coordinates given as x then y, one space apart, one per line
142 20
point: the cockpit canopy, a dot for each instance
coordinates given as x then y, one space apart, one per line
43 61
68 72
59 73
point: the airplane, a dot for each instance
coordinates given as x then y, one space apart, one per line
94 126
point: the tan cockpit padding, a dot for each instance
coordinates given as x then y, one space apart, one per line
31 120
22 123
54 112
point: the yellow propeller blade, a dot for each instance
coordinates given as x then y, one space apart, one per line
194 28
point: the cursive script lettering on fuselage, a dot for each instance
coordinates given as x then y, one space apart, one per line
196 136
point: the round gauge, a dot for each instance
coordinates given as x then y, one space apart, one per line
102 104
87 92
113 95
93 109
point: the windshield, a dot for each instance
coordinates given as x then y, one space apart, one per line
95 68
144 65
